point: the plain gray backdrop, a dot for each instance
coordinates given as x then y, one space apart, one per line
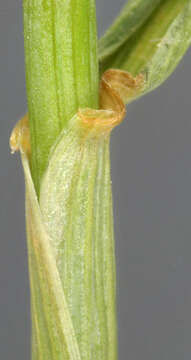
151 174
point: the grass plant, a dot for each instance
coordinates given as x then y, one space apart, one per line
77 90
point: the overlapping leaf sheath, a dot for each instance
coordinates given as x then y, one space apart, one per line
70 232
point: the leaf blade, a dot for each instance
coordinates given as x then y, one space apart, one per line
132 17
158 46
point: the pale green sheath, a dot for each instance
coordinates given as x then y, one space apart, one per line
70 233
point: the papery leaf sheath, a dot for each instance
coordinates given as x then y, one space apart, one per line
70 242
53 333
76 205
70 232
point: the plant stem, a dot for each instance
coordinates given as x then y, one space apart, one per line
61 69
70 229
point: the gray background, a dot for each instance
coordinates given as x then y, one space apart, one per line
151 172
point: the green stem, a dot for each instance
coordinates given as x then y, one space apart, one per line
61 69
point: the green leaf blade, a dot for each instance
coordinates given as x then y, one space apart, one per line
132 17
157 47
